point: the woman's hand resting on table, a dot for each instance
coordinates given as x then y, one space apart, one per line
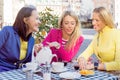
54 44
101 66
84 64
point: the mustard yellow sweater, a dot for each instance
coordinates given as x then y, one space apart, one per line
106 46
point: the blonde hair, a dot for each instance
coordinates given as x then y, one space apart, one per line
76 33
105 16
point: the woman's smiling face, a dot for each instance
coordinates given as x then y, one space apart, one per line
68 25
33 22
97 23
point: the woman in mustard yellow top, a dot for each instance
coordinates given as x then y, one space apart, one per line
105 45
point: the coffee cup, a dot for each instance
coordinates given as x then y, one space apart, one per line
58 66
30 66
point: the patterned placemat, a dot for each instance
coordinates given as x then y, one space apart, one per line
16 75
20 75
97 76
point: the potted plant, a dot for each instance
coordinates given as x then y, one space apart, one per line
48 20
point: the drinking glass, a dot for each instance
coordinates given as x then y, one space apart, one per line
29 75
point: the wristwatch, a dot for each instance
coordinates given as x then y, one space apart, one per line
95 65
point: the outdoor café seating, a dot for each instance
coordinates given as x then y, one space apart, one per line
19 74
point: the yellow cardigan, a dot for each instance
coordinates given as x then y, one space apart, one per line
106 46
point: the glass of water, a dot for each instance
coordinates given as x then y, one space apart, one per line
29 75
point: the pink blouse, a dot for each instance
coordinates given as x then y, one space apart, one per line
63 54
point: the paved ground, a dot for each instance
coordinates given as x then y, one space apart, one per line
88 36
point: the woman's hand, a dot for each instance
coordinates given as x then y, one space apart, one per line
82 63
101 66
89 65
38 47
54 44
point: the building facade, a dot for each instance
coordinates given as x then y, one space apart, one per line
1 12
83 8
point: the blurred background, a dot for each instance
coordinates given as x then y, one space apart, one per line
83 8
50 10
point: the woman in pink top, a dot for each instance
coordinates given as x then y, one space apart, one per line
65 41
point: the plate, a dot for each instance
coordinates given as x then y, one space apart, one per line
25 69
87 72
59 70
69 75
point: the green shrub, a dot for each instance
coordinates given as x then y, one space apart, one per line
48 20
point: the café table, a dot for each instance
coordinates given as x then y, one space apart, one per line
18 74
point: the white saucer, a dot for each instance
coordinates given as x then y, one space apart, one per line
70 75
25 69
59 70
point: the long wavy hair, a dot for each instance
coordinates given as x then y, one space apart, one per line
105 16
76 33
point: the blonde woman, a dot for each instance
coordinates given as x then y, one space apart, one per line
65 41
105 45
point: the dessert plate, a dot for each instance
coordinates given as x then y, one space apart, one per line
59 70
70 75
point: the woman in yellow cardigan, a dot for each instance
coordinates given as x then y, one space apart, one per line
105 45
